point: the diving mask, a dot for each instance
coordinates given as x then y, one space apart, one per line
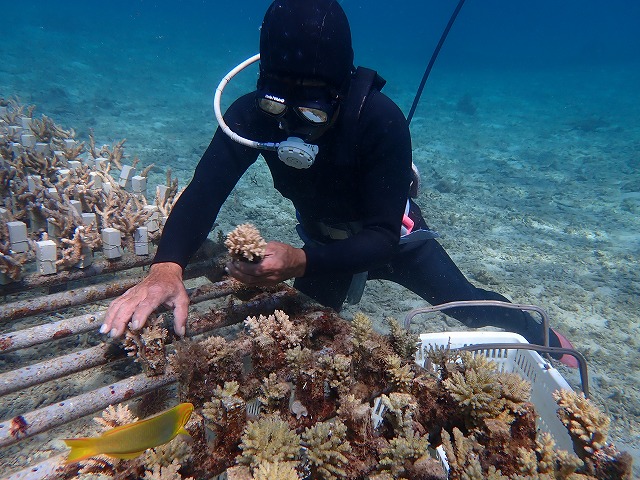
301 120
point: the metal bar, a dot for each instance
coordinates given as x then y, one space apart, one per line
57 367
57 414
39 471
482 303
98 267
63 365
29 337
70 298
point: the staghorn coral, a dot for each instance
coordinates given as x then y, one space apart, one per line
273 393
277 327
115 416
407 447
166 472
225 415
484 392
400 375
124 212
213 411
326 444
404 343
100 465
338 369
362 329
216 350
299 359
148 346
245 243
75 249
164 455
400 410
546 460
587 426
276 470
464 463
268 439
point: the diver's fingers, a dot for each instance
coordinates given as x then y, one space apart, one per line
117 314
180 312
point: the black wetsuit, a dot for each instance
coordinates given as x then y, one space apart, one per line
369 190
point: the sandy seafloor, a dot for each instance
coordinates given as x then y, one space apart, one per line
535 190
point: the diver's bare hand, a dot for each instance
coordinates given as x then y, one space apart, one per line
163 286
280 262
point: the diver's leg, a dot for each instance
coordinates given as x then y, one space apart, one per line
427 270
329 291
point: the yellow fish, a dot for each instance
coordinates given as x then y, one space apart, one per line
130 440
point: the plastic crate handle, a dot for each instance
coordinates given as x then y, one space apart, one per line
582 362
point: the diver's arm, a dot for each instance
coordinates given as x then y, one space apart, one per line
385 155
194 213
188 225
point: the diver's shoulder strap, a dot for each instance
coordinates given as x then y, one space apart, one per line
363 81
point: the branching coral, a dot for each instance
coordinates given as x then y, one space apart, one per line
115 416
409 446
276 470
148 346
277 327
111 417
245 243
326 444
400 375
464 462
587 426
268 439
362 329
166 472
484 392
547 460
404 343
400 411
84 240
338 369
273 393
217 349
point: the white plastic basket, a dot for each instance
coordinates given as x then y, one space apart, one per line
527 363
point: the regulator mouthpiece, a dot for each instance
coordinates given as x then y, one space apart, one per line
295 153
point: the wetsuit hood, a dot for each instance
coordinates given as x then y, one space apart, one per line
306 39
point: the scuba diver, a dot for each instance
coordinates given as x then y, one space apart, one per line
340 150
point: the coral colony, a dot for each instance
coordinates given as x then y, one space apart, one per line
299 393
61 202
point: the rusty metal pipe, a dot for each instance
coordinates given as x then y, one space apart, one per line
39 471
59 413
208 250
48 370
70 298
98 267
29 337
64 365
